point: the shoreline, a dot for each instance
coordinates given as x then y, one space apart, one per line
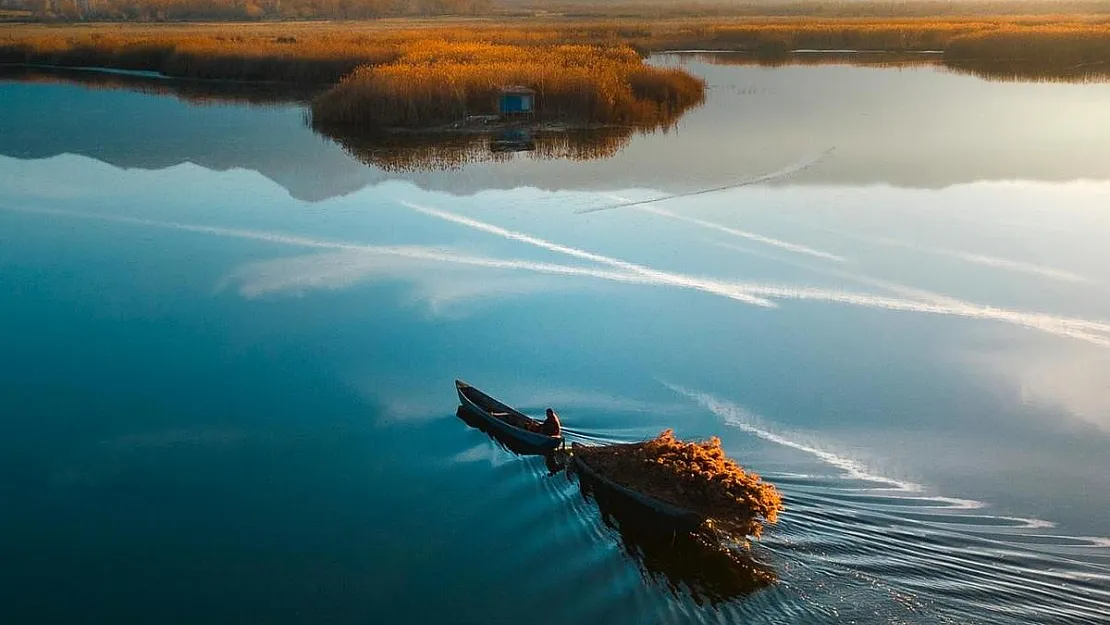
798 51
325 51
430 77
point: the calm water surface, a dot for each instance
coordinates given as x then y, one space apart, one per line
228 350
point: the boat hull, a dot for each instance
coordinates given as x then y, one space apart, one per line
479 404
676 517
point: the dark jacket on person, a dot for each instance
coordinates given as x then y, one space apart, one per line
551 425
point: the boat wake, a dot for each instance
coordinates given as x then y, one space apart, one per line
946 556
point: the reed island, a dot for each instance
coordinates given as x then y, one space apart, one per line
462 67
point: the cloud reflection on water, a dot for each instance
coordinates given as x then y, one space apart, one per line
977 258
1072 380
761 294
1094 332
438 278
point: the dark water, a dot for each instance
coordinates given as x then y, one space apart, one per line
228 350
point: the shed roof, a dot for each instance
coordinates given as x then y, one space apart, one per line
517 90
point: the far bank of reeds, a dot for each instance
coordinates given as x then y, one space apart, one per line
323 52
1044 54
419 73
439 82
216 53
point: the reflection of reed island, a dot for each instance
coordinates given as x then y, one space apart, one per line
693 562
445 151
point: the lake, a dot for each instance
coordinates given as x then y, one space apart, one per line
229 347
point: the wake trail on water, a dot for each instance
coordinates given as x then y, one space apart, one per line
969 565
739 417
785 172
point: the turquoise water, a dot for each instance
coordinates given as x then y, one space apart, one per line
229 350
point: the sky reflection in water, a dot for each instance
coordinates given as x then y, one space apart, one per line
914 332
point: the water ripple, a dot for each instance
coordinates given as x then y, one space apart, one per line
948 557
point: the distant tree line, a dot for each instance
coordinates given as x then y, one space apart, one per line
226 10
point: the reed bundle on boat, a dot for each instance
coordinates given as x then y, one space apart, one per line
694 475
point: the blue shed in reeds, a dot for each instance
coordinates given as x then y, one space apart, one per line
516 100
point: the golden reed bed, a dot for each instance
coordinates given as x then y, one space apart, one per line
437 82
322 52
415 72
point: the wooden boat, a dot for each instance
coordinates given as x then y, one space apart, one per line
675 516
509 443
505 419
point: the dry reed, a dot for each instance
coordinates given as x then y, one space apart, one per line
324 52
693 475
1033 53
449 68
437 82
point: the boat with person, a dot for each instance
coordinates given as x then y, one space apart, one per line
505 419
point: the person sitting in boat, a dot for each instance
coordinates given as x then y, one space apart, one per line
551 425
